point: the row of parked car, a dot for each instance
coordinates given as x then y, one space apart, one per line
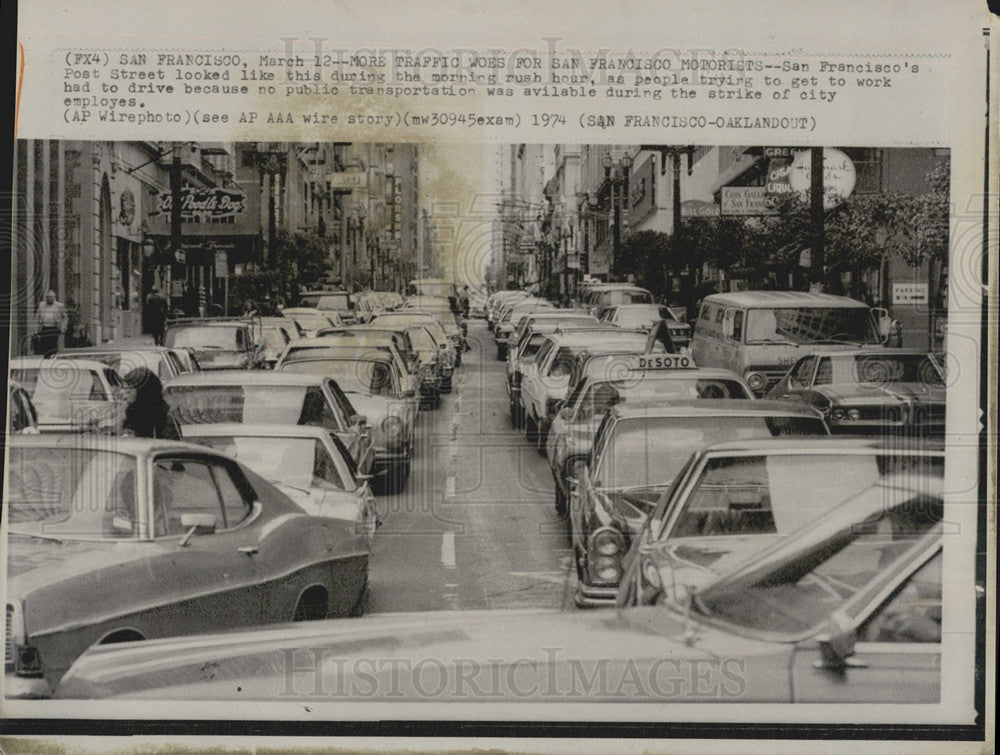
264 512
694 466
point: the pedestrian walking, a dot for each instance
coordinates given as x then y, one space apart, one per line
52 322
147 414
156 315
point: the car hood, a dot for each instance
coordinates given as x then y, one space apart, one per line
642 654
35 563
901 392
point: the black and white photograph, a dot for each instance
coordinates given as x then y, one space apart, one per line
512 378
623 423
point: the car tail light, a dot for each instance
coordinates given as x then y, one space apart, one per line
9 640
22 659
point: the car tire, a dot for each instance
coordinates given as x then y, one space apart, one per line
531 429
516 415
562 503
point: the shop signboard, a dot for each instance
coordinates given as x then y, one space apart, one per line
839 176
745 200
696 208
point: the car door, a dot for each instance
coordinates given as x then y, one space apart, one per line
896 653
210 577
356 434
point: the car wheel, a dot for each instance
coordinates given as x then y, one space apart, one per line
531 429
562 504
312 605
516 415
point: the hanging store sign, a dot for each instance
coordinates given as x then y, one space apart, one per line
745 200
206 204
839 176
221 264
696 208
343 180
642 190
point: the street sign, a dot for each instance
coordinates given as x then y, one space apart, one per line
221 264
909 293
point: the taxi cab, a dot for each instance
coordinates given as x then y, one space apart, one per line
546 380
638 450
609 380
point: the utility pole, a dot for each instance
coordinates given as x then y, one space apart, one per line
816 216
175 215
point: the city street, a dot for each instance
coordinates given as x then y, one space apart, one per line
475 526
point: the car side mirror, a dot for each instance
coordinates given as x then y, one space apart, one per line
566 414
836 646
409 394
201 524
357 419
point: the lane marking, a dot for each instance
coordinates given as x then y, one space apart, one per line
448 550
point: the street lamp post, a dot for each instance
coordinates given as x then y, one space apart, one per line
617 172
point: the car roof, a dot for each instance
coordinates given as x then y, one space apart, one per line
782 299
344 352
20 363
597 361
131 445
596 337
214 324
827 443
621 287
265 431
709 407
243 377
111 348
334 340
875 351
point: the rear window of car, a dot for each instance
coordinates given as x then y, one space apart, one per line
248 404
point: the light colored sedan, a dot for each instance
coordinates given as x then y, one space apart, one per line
71 395
309 464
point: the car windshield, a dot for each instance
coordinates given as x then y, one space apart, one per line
636 316
296 462
71 494
250 404
802 325
649 451
338 302
793 588
624 296
878 369
274 338
213 337
310 320
352 375
601 396
421 339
